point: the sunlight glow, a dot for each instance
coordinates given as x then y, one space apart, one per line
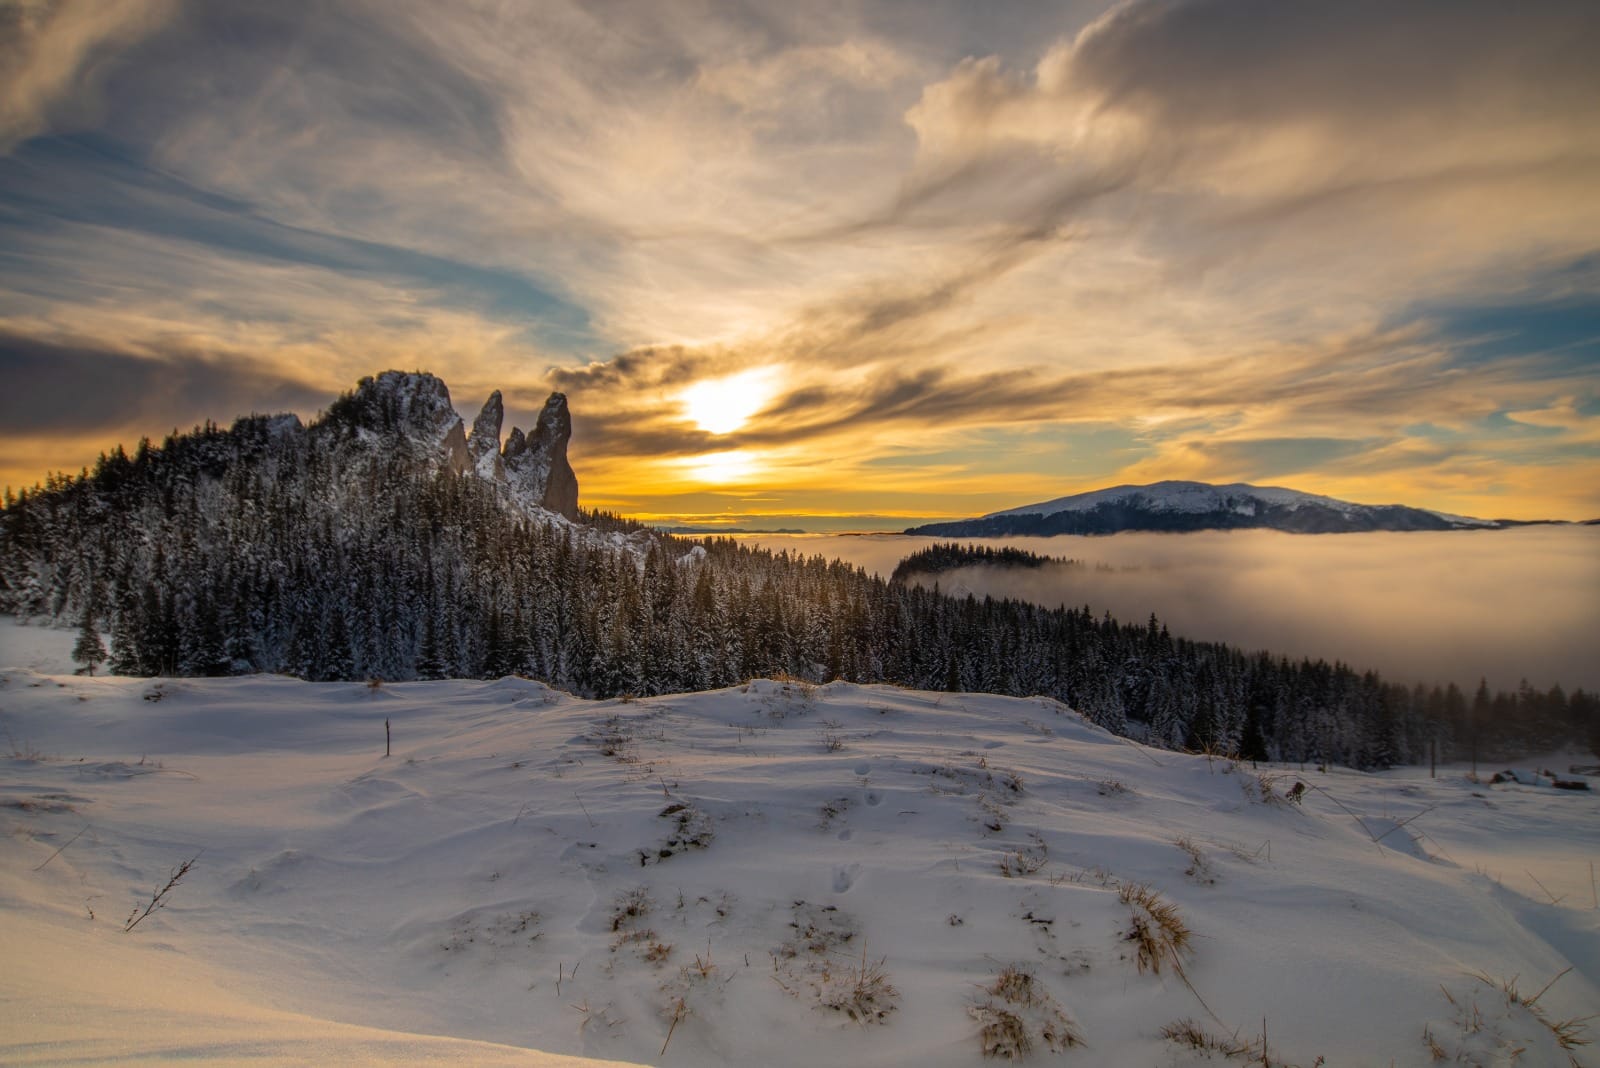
720 467
723 405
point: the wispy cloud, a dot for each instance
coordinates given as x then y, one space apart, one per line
54 55
1328 244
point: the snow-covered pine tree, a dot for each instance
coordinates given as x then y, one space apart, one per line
88 650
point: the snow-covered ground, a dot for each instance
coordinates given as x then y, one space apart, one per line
775 874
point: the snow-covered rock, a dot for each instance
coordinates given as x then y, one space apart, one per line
536 467
484 442
1185 506
414 410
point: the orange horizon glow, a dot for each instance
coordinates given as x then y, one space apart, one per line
842 264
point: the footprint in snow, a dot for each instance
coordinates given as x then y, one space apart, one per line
844 877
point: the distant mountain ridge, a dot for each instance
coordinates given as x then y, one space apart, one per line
1179 506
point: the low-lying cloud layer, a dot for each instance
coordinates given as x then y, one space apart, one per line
1352 247
1428 607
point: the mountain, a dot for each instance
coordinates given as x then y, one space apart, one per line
1190 506
413 412
383 541
378 540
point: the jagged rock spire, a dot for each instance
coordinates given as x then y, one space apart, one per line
414 408
483 444
536 467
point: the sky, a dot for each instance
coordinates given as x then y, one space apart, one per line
832 264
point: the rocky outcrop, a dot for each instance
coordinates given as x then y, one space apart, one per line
483 444
413 409
536 468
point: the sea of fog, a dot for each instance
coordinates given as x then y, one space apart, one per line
1429 607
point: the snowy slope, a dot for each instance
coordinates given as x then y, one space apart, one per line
1175 496
1188 506
1199 497
533 870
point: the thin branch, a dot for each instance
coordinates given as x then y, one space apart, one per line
1352 815
1553 899
1403 822
64 845
1547 986
158 899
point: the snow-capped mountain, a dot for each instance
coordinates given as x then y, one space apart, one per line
1189 506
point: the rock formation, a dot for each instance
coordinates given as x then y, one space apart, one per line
531 470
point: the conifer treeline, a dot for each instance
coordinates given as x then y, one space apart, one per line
947 556
316 554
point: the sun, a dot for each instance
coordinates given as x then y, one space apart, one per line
723 405
720 467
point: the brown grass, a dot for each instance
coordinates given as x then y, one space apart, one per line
863 992
1019 1014
1569 1034
1158 931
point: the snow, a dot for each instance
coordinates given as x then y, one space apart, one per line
1180 497
427 905
1200 498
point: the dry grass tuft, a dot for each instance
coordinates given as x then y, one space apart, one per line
1001 1032
1018 1014
1016 986
1520 1025
1199 868
630 906
862 992
794 686
1187 1032
1569 1034
1025 860
1158 931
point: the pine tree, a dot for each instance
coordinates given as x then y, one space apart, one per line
89 650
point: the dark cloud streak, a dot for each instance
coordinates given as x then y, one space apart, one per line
67 388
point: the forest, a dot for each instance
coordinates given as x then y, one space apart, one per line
328 554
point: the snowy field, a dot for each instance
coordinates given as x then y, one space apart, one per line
776 874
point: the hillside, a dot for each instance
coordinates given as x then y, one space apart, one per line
383 541
772 873
1191 506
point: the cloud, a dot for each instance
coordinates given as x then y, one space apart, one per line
1363 149
1227 228
54 53
1565 417
1317 86
1239 459
1363 66
1436 607
65 388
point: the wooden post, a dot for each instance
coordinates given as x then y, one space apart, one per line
385 735
1433 758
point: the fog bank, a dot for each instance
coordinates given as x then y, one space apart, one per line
1428 607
